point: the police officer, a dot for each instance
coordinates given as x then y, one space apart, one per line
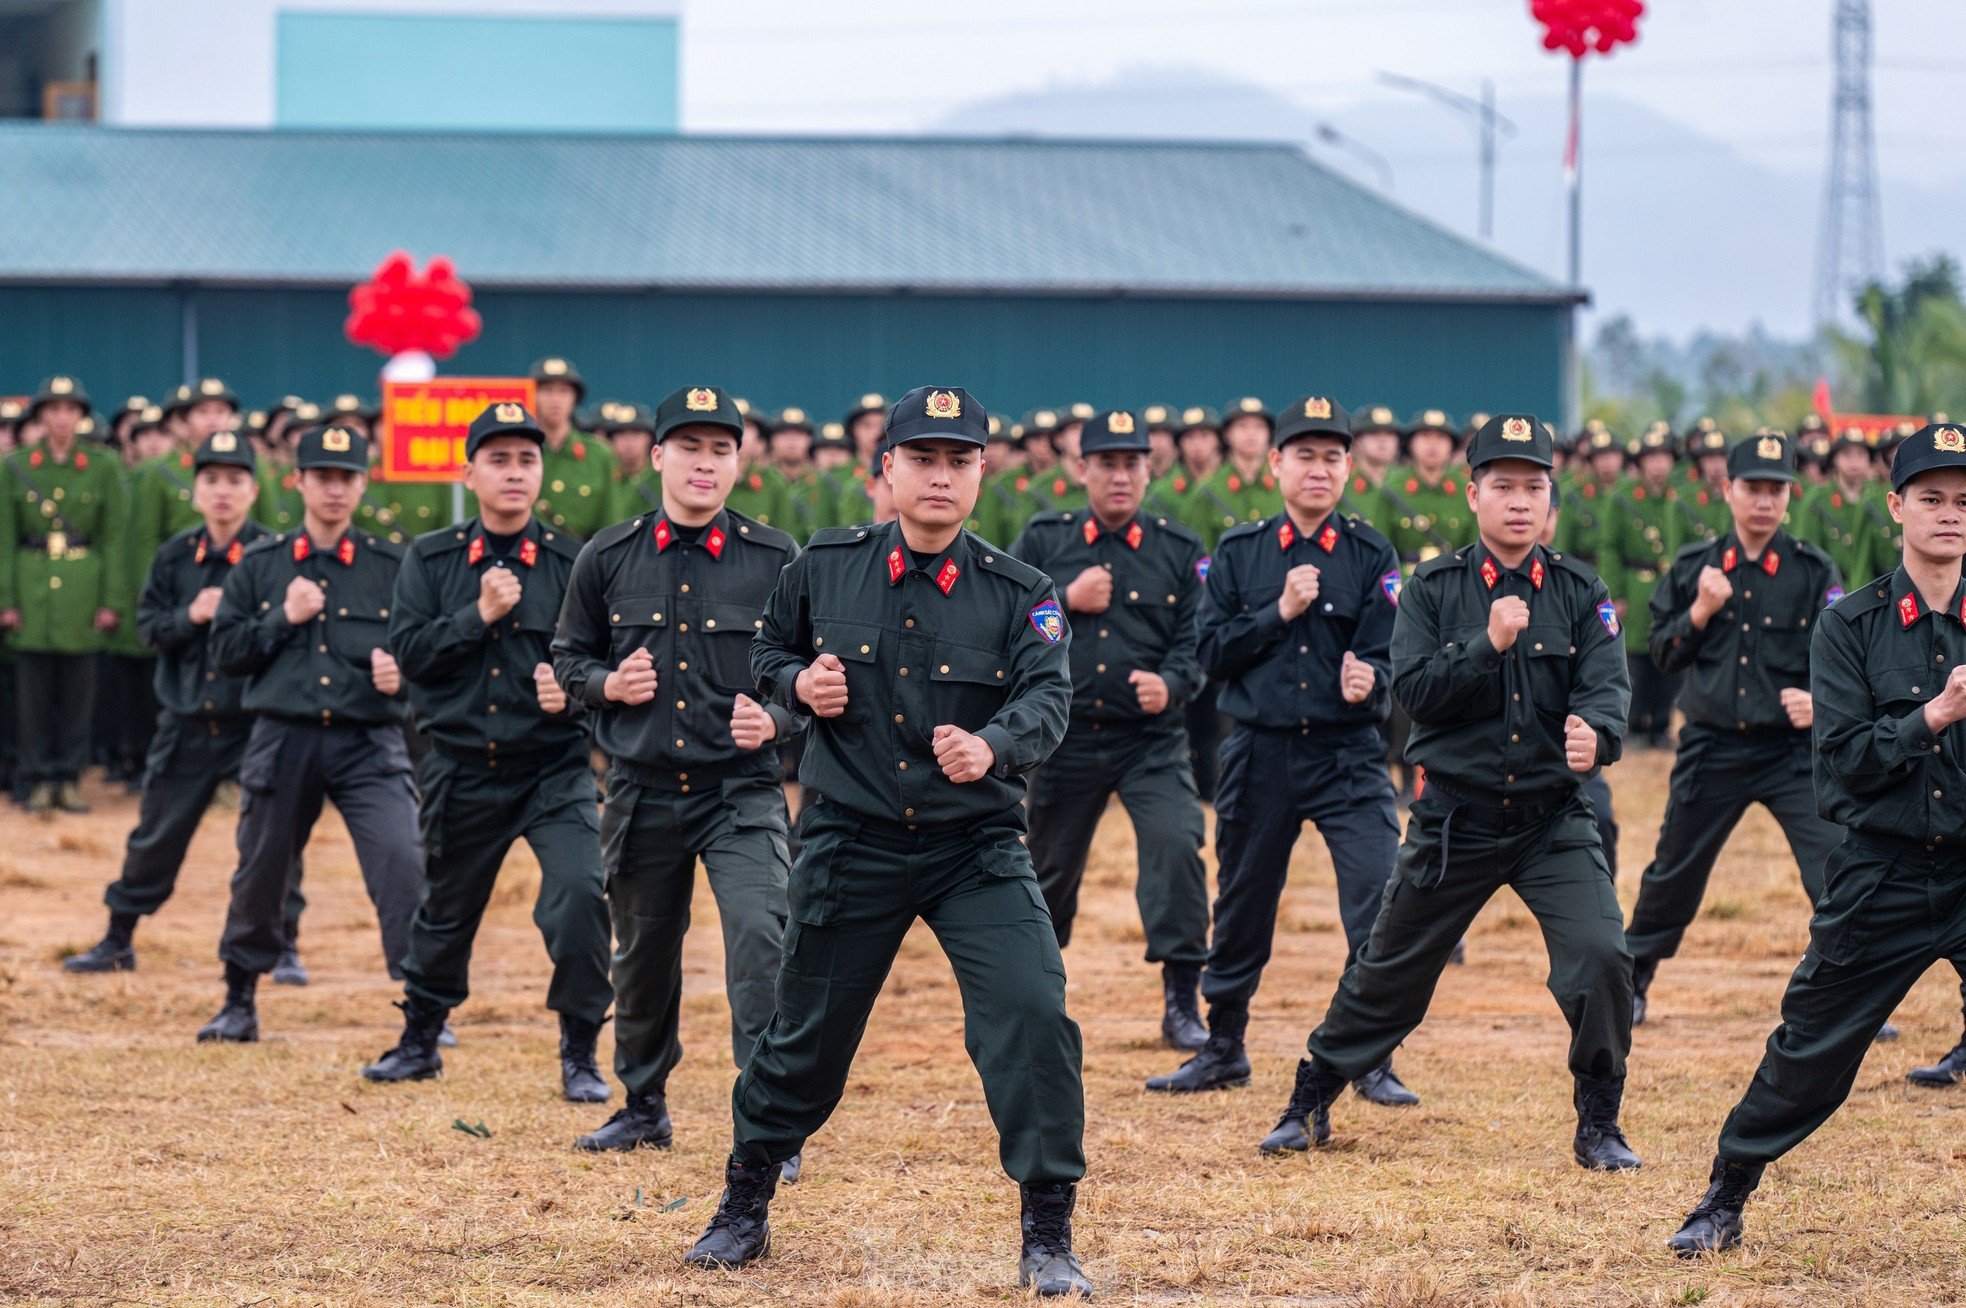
1640 534
1587 502
303 618
1423 501
471 625
63 577
1297 620
1131 584
1887 673
655 636
202 728
1242 489
1597 788
577 479
1840 518
1734 616
1508 656
935 665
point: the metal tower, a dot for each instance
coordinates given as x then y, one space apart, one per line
1850 252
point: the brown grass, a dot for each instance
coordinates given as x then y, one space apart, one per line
136 1167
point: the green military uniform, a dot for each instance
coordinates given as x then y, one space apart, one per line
760 494
851 504
1112 745
1167 494
1641 527
577 486
1501 807
1226 499
62 522
680 787
1738 746
1424 521
970 638
1844 527
401 511
1586 500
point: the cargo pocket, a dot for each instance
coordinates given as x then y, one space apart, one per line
1841 926
433 790
813 893
259 764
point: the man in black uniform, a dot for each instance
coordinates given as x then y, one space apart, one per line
1887 671
1131 582
1508 656
1297 622
202 728
472 628
303 618
655 637
935 665
1734 616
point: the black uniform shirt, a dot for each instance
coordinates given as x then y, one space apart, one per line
974 639
1284 675
1755 647
318 671
1149 623
1490 723
1877 657
471 684
189 683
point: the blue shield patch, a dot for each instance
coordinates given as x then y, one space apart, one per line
1049 621
1201 567
1391 585
1832 595
1607 613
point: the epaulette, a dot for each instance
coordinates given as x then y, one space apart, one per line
1241 529
1574 565
1442 562
1862 599
839 536
1365 531
1810 550
1175 527
991 559
1697 547
759 533
561 543
265 543
609 537
382 545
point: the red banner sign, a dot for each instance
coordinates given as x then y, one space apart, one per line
424 423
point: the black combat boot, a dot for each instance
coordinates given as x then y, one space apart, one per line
740 1230
1715 1224
238 1021
290 971
1306 1119
580 1077
1220 1064
1600 1143
1046 1261
113 953
68 798
1948 1071
41 800
1180 1022
1643 970
1383 1087
644 1120
415 1057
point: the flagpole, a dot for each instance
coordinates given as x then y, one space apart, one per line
1573 172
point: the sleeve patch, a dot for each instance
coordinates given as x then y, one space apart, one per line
1201 567
1392 585
1832 595
1607 613
1048 620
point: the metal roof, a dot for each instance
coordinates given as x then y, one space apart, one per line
109 205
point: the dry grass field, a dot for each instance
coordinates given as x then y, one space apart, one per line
138 1168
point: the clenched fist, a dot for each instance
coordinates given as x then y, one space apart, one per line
204 605
1090 592
1800 705
1949 705
1507 617
1355 678
1579 744
750 725
384 672
304 602
1715 593
634 681
1300 586
822 686
498 594
1150 688
963 757
552 696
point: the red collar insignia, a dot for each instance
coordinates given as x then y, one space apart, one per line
1235 483
184 459
1286 536
302 548
1490 573
1730 559
1269 482
1327 540
1060 486
663 536
529 552
234 552
946 578
34 459
476 554
346 551
1358 485
755 482
1023 484
1134 536
81 460
580 449
1180 484
1908 609
1536 574
1590 492
1412 485
1836 499
896 565
1447 484
1091 531
1638 492
199 557
714 540
1770 561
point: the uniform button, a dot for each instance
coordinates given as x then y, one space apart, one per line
491 708
682 665
1518 699
1748 593
1938 794
1506 802
904 766
817 641
1303 649
1741 693
1102 633
682 776
999 674
899 718
679 744
1742 725
494 672
907 812
208 704
1099 703
1513 740
1100 668
686 790
1747 626
323 648
1914 690
211 676
1744 660
492 745
1511 776
679 704
616 617
1303 685
324 681
684 588
1539 644
710 623
1327 609
910 622
1170 599
1133 594
868 649
682 626
655 617
904 672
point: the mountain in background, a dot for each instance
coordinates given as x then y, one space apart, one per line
1681 231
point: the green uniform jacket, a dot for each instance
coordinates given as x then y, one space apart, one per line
1225 499
75 509
1580 531
1001 508
1424 521
401 511
577 486
760 495
1362 500
278 507
1641 529
809 497
1847 529
1703 513
851 506
1890 536
1167 496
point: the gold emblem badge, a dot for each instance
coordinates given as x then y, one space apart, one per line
794 417
1768 447
1317 407
336 440
1949 439
701 400
554 367
1120 424
509 413
943 405
872 401
1515 429
61 386
224 443
211 386
1434 418
1194 417
1249 404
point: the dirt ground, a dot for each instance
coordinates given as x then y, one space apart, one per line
139 1168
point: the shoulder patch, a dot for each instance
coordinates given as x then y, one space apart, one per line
1049 621
1201 567
1607 613
1390 586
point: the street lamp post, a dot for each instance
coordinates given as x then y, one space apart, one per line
1487 122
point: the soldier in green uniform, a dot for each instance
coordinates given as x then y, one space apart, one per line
759 492
1243 489
1814 449
1375 449
807 497
577 492
471 625
935 665
655 637
1841 518
630 432
1702 501
64 579
303 619
843 482
1049 486
1601 470
1131 582
1198 453
202 728
1735 616
998 501
1640 533
1887 674
279 507
1162 450
1424 503
1507 655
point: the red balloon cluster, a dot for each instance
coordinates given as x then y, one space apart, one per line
1580 26
399 309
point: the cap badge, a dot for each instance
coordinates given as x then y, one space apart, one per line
701 400
1120 424
61 386
554 367
943 405
1949 439
1768 447
1317 407
224 443
1194 417
510 413
1515 429
335 440
211 386
872 401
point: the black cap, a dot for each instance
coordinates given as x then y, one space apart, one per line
1933 446
1040 422
1114 429
1247 406
1596 438
1851 438
1160 417
206 388
832 436
1769 456
332 446
1313 415
871 402
1433 420
1197 417
555 369
1512 436
1707 438
507 419
1005 433
225 449
632 417
1374 417
59 387
693 406
790 418
1655 439
931 412
345 405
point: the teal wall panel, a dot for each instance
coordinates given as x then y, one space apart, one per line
119 342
